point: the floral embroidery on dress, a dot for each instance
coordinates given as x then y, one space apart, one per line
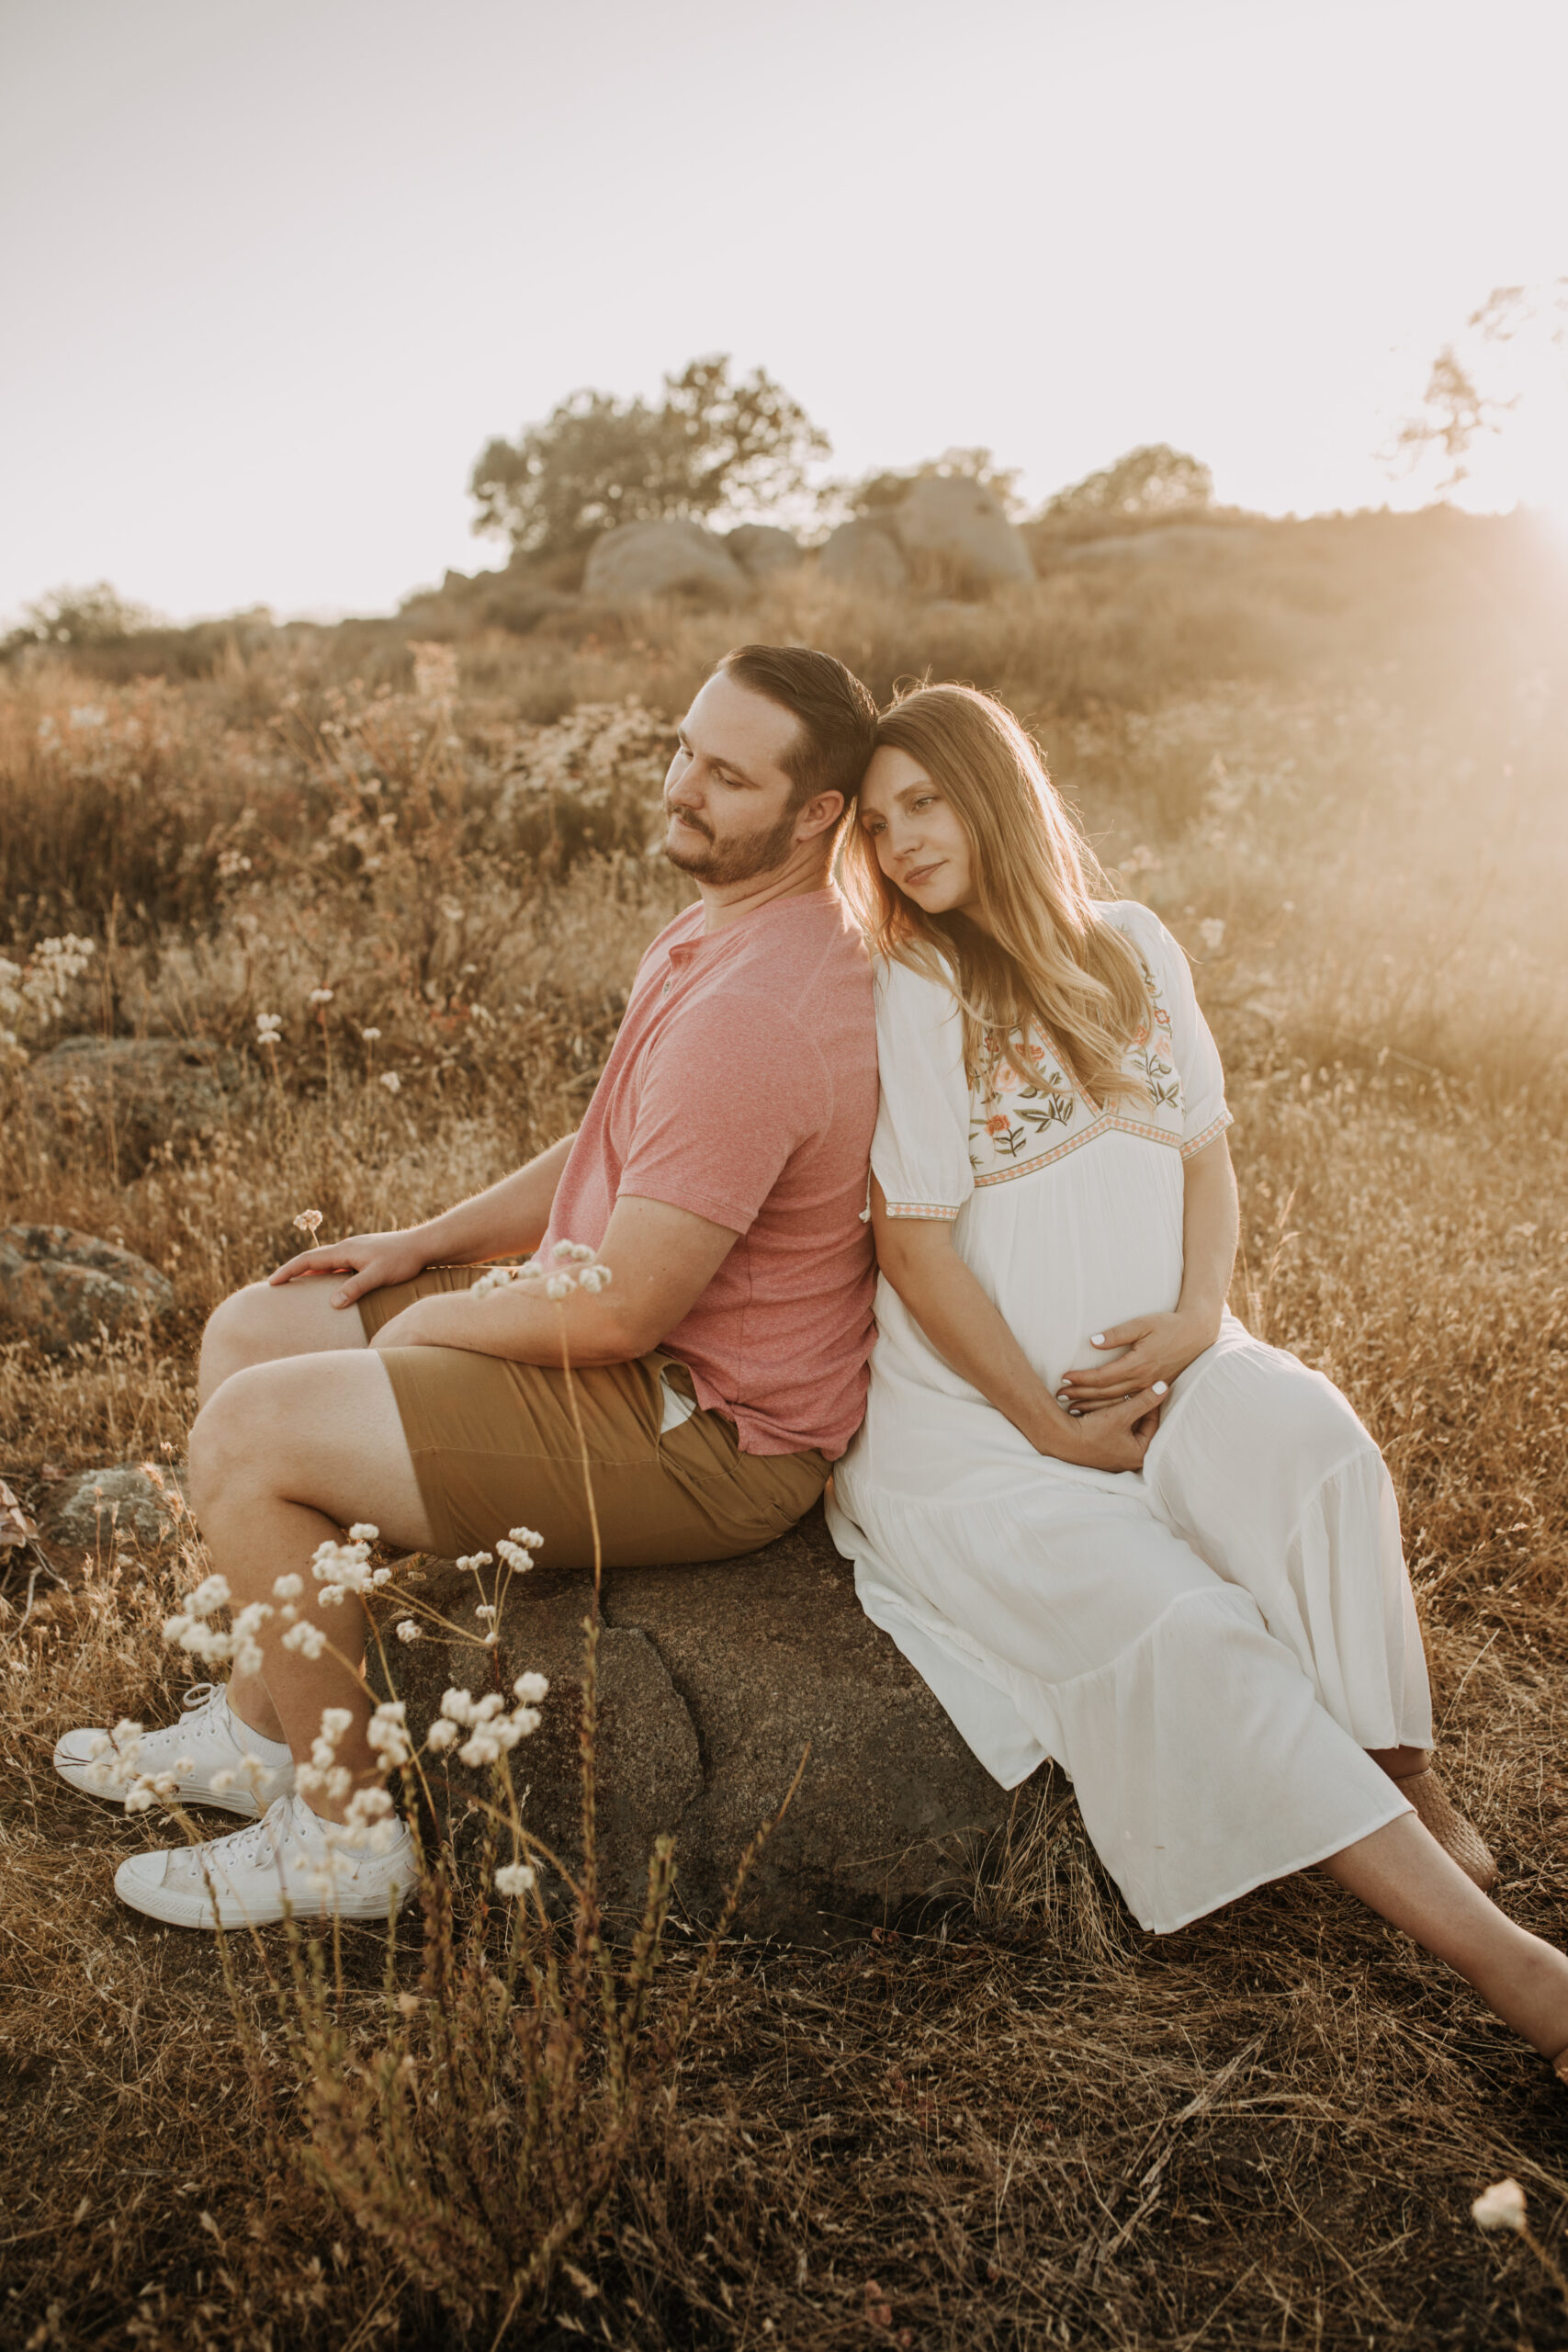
1030 1112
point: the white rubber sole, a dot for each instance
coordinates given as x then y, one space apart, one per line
177 1908
236 1801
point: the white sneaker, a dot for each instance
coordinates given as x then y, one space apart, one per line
212 1756
283 1864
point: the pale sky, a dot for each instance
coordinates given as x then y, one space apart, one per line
274 273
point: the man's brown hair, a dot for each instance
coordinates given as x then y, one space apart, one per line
836 714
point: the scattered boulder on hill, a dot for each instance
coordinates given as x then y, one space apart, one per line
863 554
60 1286
953 530
713 1682
656 559
142 1090
91 1506
761 549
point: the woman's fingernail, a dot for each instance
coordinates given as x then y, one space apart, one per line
1159 1388
1097 1339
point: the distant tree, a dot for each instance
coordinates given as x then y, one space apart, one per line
95 615
879 491
1154 480
1517 338
713 443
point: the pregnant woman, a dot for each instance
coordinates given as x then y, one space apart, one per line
1104 1523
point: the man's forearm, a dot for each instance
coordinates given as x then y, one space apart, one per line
505 1221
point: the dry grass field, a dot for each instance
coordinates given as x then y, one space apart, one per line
1336 763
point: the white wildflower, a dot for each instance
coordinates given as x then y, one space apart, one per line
484 1608
407 1630
370 1035
514 1879
458 1706
529 1537
267 1027
573 1253
560 1286
1501 2206
363 1533
494 1278
307 1638
392 1081
343 1568
441 1734
287 1588
471 1562
213 1593
322 996
532 1688
308 1221
388 1734
594 1278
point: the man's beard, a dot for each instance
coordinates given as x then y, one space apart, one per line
738 861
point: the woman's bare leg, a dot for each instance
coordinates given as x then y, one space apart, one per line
1399 1763
1402 1873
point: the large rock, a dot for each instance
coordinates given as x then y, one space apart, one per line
714 1681
87 1510
62 1286
863 554
762 547
657 558
137 1093
955 536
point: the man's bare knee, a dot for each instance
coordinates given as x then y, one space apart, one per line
263 1324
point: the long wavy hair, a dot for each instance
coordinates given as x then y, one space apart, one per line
1042 958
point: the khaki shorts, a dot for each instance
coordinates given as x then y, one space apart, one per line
494 1447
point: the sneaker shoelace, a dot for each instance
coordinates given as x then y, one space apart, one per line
247 1849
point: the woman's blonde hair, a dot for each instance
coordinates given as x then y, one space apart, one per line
1043 957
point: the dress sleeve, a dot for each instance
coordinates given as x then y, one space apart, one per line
919 1154
1193 1050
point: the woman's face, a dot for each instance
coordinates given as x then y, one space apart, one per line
920 843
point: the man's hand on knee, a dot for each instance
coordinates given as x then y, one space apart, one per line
368 1261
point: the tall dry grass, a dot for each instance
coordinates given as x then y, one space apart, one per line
1022 2125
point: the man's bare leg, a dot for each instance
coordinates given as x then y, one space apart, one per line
283 1456
260 1324
1402 1873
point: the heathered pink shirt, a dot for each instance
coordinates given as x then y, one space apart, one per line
742 1086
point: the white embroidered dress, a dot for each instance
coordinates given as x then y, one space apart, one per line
1207 1646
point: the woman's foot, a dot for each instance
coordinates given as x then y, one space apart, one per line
209 1757
289 1864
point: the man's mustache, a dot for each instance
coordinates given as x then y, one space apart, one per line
696 824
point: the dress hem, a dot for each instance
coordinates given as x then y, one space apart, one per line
1268 1877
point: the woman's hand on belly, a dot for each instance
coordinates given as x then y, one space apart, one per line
1158 1347
1115 1437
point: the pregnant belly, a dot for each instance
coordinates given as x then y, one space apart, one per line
1098 1244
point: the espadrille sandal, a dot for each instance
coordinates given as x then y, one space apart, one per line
1437 1811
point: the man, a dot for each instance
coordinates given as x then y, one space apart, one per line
720 1174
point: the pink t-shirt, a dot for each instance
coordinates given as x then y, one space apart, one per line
742 1086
